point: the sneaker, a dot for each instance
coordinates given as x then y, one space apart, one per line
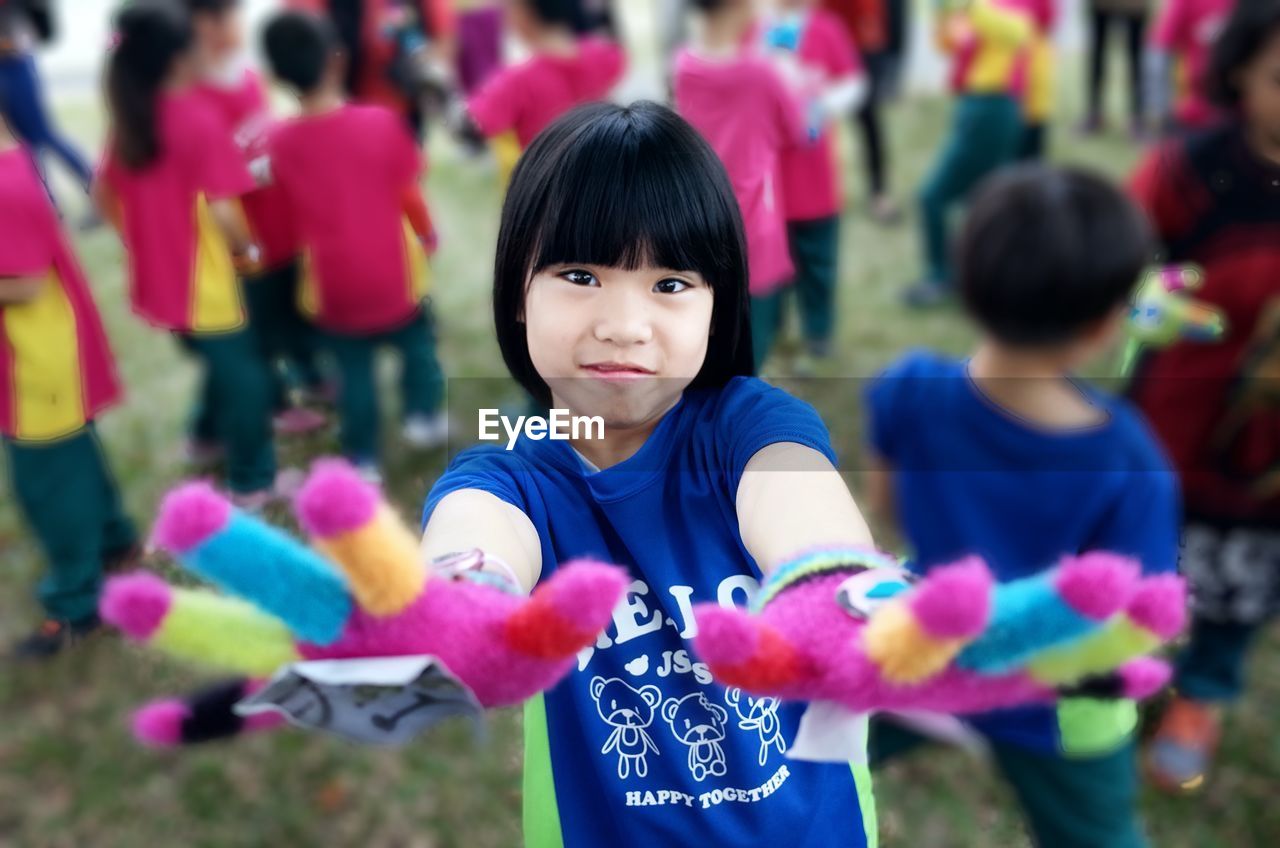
287 484
1091 125
203 454
885 210
1179 755
369 472
297 421
52 636
926 295
426 432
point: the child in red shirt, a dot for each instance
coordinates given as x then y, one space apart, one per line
236 93
56 375
1214 200
350 175
518 101
170 180
811 191
738 100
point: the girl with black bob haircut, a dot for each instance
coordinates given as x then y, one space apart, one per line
620 291
660 198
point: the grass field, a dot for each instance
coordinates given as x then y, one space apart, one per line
71 776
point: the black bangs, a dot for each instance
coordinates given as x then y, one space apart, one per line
623 187
627 198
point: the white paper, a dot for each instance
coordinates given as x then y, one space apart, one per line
830 733
379 700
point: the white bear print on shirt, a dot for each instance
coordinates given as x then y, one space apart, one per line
629 712
760 715
699 724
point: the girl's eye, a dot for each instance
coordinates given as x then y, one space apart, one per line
579 278
670 286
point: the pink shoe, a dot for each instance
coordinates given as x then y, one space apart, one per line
297 420
287 484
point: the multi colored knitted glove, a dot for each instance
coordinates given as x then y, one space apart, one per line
852 628
1164 313
363 592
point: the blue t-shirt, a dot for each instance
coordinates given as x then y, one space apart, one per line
637 746
972 478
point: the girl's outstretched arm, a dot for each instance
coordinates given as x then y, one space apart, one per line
471 518
791 499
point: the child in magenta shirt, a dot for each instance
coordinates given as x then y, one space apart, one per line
518 101
349 175
236 93
738 101
811 191
56 375
1184 33
170 181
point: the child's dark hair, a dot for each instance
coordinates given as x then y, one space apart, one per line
299 47
1045 252
210 7
1248 31
623 186
152 36
565 13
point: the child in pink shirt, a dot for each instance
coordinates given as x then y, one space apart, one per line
815 42
56 375
236 93
738 101
170 181
349 175
1184 33
562 71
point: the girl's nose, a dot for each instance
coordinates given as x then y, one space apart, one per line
623 319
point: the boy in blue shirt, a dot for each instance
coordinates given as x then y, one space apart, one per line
1006 456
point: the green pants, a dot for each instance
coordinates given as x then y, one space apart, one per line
986 133
815 247
69 498
1068 802
286 341
233 408
766 320
421 380
1211 667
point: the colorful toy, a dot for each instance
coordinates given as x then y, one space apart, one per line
364 592
1163 313
853 629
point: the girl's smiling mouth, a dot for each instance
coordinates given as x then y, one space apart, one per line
616 371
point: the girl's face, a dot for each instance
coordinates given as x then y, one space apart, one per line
619 344
221 35
520 19
1260 92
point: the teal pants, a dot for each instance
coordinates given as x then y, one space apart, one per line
1068 802
421 380
986 133
815 249
233 408
1211 667
286 342
69 499
766 320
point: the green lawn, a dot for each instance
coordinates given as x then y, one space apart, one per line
71 775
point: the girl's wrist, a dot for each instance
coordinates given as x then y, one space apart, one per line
478 566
